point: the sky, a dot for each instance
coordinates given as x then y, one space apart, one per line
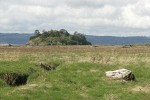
91 17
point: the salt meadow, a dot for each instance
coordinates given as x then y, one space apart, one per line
75 72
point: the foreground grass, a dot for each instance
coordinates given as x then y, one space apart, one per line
80 74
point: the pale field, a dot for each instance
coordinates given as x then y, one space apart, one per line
71 54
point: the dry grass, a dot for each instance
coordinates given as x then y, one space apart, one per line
145 89
100 54
111 97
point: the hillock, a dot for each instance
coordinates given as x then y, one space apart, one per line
55 37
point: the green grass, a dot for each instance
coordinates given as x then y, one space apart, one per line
16 66
78 76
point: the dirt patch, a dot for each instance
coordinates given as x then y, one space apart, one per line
48 67
111 97
93 70
14 79
27 87
141 89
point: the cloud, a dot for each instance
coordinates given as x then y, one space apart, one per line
98 17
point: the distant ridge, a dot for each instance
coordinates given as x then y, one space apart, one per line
14 38
22 39
113 40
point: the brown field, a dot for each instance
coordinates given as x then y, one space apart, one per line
97 54
135 49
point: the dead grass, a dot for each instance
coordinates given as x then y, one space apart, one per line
93 70
138 88
111 97
70 54
9 56
27 87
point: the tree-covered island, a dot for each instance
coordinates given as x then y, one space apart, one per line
55 37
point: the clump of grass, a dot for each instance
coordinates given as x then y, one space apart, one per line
2 83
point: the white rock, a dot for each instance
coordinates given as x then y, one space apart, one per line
120 74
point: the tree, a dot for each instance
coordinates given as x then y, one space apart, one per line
36 33
64 32
80 38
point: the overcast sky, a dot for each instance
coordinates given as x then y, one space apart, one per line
94 17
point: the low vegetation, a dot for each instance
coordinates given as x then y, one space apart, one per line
54 37
78 73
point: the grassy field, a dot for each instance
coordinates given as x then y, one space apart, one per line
79 74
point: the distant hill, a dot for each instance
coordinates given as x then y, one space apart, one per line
21 39
14 38
57 37
112 40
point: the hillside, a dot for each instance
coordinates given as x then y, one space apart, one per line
14 38
112 40
19 39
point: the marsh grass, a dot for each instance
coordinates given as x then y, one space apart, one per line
80 74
